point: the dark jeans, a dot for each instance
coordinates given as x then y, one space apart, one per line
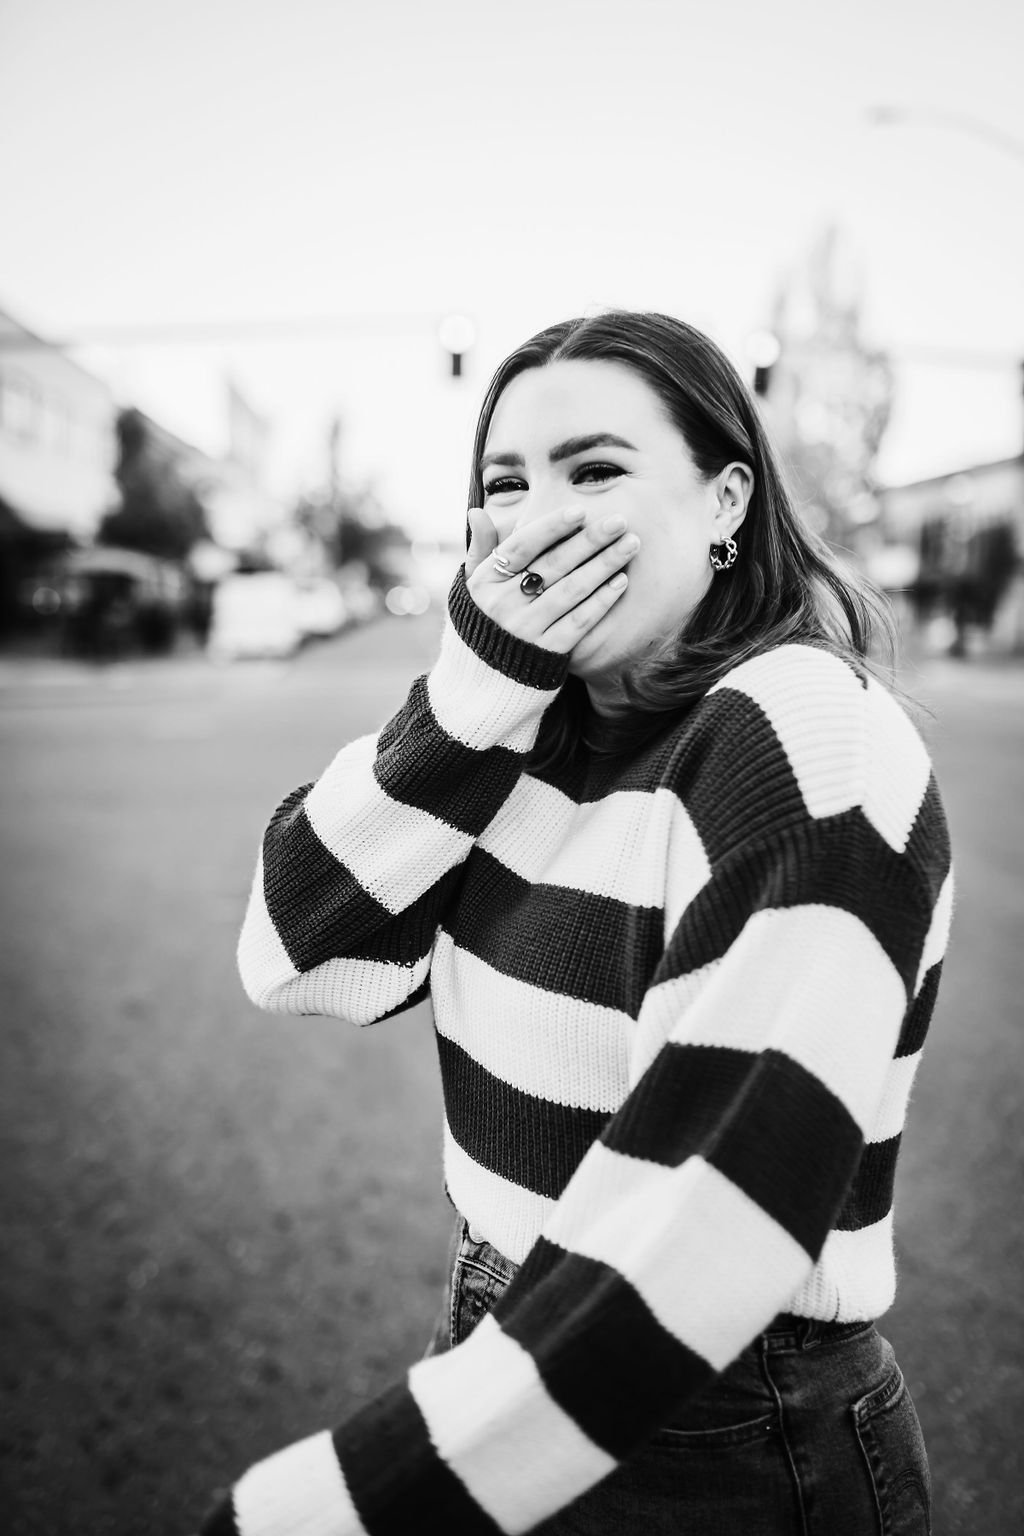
811 1432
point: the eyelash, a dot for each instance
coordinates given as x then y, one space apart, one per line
498 486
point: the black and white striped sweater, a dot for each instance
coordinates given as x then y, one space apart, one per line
679 1007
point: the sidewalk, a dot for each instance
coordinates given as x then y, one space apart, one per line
24 664
24 667
33 673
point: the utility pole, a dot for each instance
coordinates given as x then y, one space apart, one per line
886 115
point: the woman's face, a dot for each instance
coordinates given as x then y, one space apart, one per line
596 432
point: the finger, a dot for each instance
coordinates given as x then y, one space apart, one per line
560 559
530 539
569 630
585 577
568 596
483 538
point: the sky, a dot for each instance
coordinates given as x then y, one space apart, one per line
385 162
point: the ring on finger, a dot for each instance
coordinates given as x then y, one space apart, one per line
532 583
503 565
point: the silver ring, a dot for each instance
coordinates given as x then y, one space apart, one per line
532 583
502 565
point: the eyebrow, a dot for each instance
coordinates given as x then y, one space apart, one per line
566 450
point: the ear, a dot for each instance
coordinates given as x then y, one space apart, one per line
734 487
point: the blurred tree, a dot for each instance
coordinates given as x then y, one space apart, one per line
344 523
160 512
831 393
349 525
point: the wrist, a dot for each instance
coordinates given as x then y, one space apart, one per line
519 659
489 687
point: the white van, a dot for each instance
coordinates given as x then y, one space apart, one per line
254 615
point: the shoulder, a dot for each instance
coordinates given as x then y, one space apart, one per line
797 681
800 732
819 706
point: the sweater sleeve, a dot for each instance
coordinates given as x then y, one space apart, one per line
356 869
787 980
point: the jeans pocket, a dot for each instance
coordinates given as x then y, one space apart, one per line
893 1447
733 1477
476 1287
725 1438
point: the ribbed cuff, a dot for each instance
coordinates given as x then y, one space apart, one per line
220 1521
520 660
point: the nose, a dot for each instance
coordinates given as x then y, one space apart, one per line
537 505
505 522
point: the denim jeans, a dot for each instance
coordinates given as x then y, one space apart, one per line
810 1432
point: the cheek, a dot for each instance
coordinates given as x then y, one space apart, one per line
655 606
673 528
673 563
664 597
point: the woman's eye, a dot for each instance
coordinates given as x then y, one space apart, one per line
503 483
587 474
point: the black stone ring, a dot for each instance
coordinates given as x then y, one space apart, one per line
532 584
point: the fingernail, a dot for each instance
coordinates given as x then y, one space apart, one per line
613 524
574 514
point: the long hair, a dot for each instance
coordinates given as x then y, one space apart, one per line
786 584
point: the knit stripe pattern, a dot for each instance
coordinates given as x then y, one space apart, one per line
679 1008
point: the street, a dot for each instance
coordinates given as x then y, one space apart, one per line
224 1230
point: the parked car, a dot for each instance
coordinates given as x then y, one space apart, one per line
114 601
254 614
319 606
362 601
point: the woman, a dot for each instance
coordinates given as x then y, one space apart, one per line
672 866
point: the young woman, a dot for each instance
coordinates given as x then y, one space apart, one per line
671 864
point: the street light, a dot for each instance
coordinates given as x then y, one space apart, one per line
887 116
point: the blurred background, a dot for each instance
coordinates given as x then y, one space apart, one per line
258 262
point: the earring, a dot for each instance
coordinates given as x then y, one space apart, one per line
730 554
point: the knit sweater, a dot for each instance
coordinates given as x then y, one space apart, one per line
679 1005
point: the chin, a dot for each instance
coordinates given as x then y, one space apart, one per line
603 653
599 654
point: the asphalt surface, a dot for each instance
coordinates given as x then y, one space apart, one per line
223 1230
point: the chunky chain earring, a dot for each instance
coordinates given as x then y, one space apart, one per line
715 555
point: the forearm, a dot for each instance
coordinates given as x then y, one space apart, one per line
355 871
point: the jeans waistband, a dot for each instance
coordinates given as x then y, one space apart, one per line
786 1330
789 1329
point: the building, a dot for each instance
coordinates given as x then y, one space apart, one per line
59 457
976 497
963 538
57 453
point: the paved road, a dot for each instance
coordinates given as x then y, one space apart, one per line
223 1231
959 1318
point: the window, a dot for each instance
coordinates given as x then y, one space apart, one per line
21 408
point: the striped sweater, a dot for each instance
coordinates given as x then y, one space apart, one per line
679 1006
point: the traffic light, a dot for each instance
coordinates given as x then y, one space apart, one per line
764 350
456 333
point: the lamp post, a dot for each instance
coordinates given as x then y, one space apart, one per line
887 116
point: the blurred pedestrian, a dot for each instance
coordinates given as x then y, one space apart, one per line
669 860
